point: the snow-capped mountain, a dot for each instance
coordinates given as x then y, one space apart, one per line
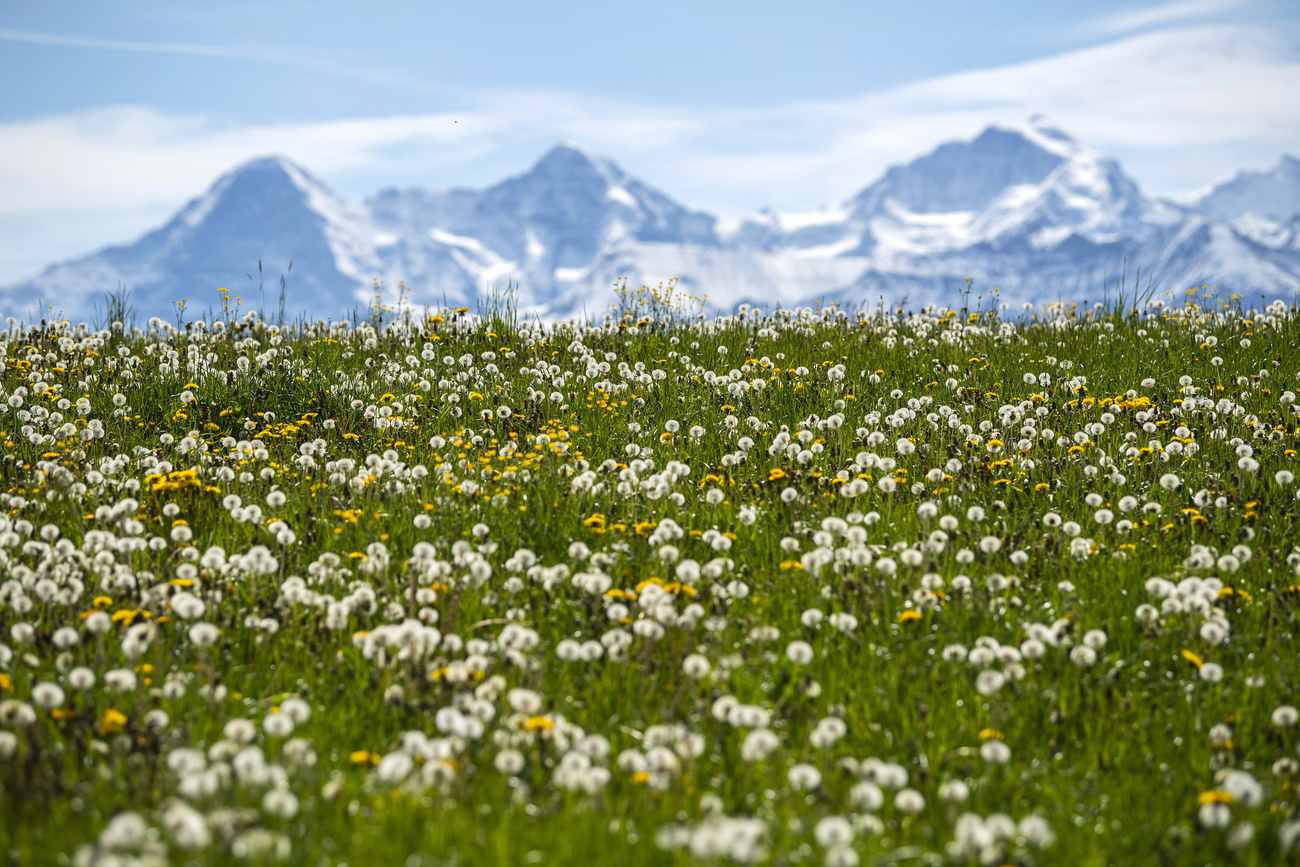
268 210
539 229
1261 206
967 176
1028 210
1033 182
1272 195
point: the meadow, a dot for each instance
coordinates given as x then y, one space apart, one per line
808 586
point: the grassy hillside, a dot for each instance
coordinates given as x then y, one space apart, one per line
785 587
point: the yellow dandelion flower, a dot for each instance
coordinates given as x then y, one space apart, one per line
112 722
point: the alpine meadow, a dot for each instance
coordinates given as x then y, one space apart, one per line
823 585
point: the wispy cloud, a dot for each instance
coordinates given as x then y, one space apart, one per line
123 45
1165 13
333 66
1154 93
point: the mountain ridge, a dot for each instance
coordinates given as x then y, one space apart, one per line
1028 209
1273 193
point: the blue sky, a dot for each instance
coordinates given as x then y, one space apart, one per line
115 114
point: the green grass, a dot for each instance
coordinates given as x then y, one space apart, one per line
392 487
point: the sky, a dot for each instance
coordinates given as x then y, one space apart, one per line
113 115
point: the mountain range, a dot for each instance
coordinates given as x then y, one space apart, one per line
1028 210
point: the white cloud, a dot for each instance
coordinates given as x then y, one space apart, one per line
332 65
62 41
1180 95
1165 13
1193 85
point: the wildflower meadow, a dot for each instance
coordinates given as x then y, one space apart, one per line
813 586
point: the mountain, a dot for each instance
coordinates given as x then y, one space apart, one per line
268 210
1028 210
1263 207
539 228
1198 251
968 176
1273 195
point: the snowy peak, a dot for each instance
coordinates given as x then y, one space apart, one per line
1032 186
929 203
568 165
275 205
968 176
257 187
540 230
268 210
566 182
1271 195
578 201
1040 131
1087 196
